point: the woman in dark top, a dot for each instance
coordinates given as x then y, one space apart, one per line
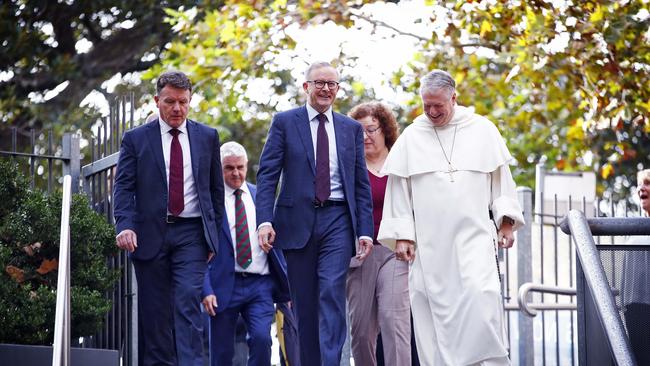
377 289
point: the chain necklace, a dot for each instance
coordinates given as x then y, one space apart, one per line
450 168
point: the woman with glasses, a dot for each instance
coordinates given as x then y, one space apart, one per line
377 288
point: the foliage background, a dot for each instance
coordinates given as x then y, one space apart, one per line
29 248
565 81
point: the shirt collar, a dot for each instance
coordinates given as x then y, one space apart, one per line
165 128
228 191
312 113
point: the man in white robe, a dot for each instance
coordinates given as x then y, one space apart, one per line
447 172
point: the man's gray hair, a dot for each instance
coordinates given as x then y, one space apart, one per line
641 175
437 79
318 65
174 79
232 148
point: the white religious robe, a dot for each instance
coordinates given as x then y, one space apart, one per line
453 282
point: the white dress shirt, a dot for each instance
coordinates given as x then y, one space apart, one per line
336 186
191 198
259 264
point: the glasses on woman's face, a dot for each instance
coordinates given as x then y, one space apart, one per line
320 84
371 130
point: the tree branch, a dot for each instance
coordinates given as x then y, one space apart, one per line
379 23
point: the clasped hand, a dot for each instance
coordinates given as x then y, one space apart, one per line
266 237
405 250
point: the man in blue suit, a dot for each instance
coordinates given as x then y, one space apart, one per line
242 278
168 198
323 204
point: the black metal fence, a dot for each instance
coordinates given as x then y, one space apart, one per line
45 161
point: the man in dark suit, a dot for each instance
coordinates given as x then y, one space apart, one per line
323 205
168 198
242 278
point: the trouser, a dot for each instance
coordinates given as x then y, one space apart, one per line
637 321
378 297
252 298
169 298
317 274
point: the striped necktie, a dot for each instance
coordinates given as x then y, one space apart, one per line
243 244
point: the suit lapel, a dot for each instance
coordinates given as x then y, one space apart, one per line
155 141
193 135
342 144
302 124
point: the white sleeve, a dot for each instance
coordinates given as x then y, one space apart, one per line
397 221
504 200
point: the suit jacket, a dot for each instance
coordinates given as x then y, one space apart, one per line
220 278
289 152
140 190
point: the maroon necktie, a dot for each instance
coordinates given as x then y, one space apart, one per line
243 244
322 161
176 196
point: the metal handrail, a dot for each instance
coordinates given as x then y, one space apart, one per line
616 226
596 279
61 346
530 309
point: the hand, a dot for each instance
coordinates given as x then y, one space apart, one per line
505 236
405 250
365 247
127 239
210 304
266 237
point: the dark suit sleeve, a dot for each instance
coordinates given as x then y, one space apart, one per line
125 185
271 163
216 181
207 287
362 188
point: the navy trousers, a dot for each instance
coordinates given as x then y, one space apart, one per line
317 274
169 298
252 298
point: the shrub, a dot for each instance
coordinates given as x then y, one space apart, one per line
29 249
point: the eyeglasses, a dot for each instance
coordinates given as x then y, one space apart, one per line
371 130
320 84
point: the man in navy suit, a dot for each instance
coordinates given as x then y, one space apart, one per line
323 205
168 198
242 278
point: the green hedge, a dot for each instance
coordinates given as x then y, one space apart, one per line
29 249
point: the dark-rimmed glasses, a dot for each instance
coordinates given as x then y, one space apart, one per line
371 130
320 84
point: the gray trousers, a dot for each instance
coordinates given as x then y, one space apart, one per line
378 298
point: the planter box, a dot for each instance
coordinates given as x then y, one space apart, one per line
27 355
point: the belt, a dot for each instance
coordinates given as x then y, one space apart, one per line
181 220
328 203
248 274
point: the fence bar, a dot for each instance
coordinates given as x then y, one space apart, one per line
597 282
50 143
32 160
72 164
614 226
531 309
61 346
525 274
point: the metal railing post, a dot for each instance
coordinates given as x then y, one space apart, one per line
598 284
72 152
61 346
525 274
